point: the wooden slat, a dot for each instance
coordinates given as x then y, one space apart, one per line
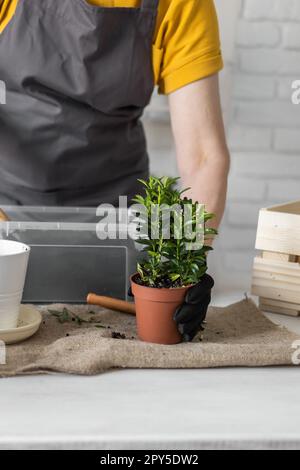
279 256
286 286
277 280
292 207
278 232
264 290
274 266
278 303
282 279
280 310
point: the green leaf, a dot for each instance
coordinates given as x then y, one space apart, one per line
140 271
145 183
139 199
170 258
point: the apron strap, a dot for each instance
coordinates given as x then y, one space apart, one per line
149 5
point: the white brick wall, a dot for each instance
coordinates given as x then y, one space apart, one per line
291 38
264 136
249 138
278 10
258 34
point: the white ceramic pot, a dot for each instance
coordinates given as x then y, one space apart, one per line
13 268
9 311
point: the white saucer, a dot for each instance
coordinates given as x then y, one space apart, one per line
29 323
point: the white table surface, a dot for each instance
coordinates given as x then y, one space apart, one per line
235 408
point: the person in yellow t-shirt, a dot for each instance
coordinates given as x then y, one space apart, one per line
78 76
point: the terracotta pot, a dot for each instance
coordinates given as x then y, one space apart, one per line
154 313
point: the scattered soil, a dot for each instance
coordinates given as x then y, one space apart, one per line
67 316
117 335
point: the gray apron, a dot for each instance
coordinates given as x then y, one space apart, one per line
78 78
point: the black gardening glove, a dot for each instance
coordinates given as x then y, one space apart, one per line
192 313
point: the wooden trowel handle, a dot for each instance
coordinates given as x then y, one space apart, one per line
3 217
111 303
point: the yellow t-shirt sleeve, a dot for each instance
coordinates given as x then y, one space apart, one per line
187 44
7 9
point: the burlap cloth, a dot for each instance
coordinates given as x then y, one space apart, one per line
238 335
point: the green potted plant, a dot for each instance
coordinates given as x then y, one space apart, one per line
175 259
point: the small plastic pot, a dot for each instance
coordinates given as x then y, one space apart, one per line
155 309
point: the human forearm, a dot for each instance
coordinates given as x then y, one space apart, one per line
202 153
208 183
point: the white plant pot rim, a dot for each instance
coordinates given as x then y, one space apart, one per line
16 248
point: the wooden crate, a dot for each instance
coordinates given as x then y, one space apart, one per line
276 272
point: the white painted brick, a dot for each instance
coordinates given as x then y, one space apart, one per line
243 214
259 34
264 137
287 140
291 36
249 138
265 166
159 135
253 87
258 9
245 189
163 162
272 9
239 261
284 87
283 190
270 61
242 239
227 280
273 113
